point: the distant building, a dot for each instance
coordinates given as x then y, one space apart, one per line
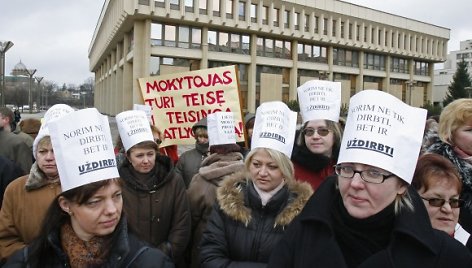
443 77
277 45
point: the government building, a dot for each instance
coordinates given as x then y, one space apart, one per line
276 45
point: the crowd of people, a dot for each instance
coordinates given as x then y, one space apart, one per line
384 186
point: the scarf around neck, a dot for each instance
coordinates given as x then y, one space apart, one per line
82 253
361 238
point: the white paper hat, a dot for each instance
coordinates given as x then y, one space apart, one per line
83 148
274 127
384 132
221 128
146 108
134 128
320 99
55 112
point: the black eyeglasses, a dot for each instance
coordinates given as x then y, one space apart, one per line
439 202
322 131
368 175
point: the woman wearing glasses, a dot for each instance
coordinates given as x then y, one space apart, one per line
439 185
316 151
368 215
317 145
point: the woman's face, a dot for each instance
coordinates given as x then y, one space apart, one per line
142 159
443 218
99 215
45 159
316 143
462 137
362 199
264 171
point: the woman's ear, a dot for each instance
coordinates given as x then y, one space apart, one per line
64 204
402 189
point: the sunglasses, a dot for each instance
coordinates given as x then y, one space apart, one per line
322 131
439 202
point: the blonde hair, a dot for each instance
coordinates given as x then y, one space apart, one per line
282 161
454 115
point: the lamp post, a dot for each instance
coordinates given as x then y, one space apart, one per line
30 72
410 84
4 46
39 79
469 90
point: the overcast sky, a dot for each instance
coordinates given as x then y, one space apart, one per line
53 36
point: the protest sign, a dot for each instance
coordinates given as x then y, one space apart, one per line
146 108
180 100
221 128
383 131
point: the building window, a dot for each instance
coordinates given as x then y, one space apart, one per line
254 12
345 57
172 36
229 9
228 42
267 47
159 3
358 33
275 14
350 31
242 10
374 61
307 23
325 26
189 5
155 63
265 15
421 68
296 21
216 7
316 24
286 18
174 4
312 53
203 7
399 65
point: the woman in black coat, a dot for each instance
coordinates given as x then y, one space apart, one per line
253 209
83 229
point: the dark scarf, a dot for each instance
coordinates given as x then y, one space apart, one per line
361 238
202 148
82 253
313 162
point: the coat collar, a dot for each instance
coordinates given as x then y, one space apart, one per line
414 224
37 179
232 200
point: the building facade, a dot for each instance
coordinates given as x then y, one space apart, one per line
277 46
443 77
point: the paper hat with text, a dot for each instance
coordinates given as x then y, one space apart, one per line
274 127
134 128
146 108
384 132
83 148
221 128
55 112
320 99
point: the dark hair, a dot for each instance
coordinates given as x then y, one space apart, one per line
337 136
40 250
225 148
431 168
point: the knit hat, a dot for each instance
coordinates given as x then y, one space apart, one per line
83 148
384 132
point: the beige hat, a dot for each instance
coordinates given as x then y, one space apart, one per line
83 148
320 99
274 127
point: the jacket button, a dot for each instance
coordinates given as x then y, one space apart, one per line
119 258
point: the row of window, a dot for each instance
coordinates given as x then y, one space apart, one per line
374 35
190 37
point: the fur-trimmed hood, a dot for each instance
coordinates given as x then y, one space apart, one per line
37 179
217 166
231 197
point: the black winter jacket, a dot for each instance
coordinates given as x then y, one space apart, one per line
129 251
310 240
241 232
